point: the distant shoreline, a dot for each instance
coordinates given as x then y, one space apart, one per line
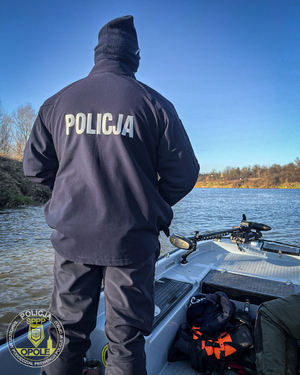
16 190
244 185
255 177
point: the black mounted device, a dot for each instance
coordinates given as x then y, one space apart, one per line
245 232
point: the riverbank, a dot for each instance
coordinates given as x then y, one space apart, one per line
15 189
250 183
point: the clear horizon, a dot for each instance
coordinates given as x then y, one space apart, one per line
230 67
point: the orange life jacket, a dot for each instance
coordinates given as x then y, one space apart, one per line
220 348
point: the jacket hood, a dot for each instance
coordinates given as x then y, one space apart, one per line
117 40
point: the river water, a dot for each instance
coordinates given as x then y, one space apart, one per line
26 254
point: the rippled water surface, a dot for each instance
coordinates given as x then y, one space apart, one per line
26 254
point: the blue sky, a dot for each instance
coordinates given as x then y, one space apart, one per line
230 67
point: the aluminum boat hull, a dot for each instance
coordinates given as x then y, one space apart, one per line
244 272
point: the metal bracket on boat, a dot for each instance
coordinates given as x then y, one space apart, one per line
184 243
246 233
240 234
192 249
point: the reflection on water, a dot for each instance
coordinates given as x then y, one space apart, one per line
26 259
26 254
208 210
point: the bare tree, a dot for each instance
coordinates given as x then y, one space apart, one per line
5 132
22 121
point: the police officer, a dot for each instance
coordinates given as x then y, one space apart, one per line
116 157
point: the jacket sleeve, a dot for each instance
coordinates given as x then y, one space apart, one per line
40 162
178 167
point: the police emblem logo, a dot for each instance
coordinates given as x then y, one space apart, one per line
36 334
35 338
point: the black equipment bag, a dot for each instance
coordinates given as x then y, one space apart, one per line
216 337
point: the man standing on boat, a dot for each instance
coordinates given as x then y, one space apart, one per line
117 158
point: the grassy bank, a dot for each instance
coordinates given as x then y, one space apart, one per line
15 189
251 183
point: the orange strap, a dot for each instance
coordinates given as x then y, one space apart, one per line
219 348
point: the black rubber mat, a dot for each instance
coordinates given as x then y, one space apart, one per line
242 287
167 293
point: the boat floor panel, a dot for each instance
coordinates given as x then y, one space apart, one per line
179 368
185 368
271 268
167 293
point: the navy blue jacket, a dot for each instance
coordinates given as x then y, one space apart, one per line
100 145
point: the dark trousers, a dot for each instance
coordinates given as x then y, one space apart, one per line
129 311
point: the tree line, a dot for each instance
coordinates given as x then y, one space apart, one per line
256 175
15 130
